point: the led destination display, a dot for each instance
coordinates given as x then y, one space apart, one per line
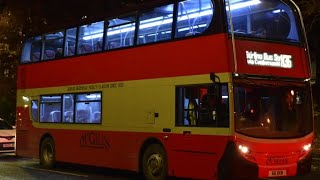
269 59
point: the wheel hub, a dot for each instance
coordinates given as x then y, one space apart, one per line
48 153
155 164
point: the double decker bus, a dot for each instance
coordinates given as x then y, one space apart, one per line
204 89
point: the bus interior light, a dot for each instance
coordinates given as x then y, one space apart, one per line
277 11
88 37
188 28
240 5
93 96
155 19
155 23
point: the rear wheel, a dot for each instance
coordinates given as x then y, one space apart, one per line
48 153
154 163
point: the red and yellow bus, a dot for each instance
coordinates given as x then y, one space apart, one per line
204 89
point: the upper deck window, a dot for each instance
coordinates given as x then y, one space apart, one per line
156 25
53 44
90 38
31 51
264 19
71 36
160 23
120 32
194 17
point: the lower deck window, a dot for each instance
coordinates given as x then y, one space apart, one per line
88 108
70 108
50 108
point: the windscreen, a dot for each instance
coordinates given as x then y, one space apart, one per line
264 19
271 110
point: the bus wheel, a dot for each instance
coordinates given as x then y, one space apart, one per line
154 163
47 153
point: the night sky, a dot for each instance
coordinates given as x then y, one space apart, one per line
62 12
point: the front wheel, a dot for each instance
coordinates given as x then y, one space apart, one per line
154 163
47 153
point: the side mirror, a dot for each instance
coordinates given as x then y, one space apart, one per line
214 88
214 91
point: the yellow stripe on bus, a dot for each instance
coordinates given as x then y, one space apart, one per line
130 105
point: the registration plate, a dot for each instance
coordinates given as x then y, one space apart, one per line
274 173
7 145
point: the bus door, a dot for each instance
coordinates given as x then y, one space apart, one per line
200 111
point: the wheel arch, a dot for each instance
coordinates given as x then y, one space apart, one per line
149 141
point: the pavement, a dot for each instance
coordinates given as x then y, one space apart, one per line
316 155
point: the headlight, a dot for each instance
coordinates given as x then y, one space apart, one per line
307 147
246 153
305 150
244 149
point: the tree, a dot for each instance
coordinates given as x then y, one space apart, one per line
10 38
2 4
311 13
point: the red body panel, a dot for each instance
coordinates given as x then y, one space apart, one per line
192 156
196 156
277 154
179 58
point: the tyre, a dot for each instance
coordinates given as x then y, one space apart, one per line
154 163
47 153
